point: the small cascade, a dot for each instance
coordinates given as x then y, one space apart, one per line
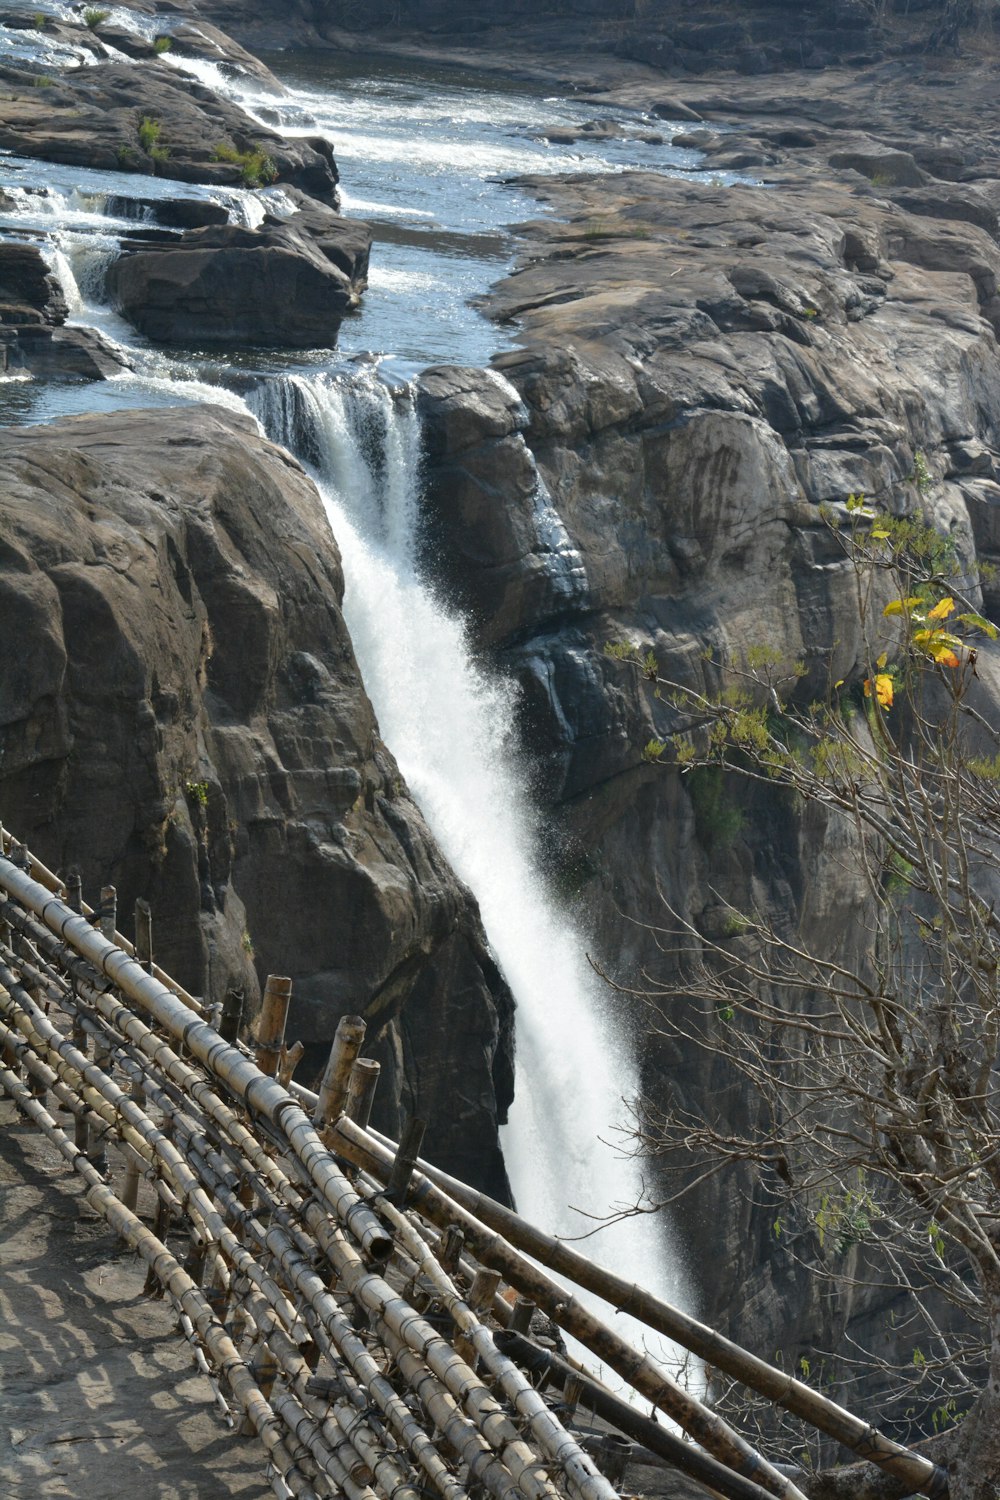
450 726
63 272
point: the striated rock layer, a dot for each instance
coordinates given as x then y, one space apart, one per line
181 716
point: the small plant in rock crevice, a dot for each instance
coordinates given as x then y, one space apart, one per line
93 18
256 168
149 133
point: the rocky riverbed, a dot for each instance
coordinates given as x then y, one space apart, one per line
698 371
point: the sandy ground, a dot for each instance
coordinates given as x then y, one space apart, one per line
98 1392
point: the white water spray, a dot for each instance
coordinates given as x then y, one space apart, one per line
449 724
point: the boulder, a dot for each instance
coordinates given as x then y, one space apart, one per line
184 718
27 282
59 353
227 285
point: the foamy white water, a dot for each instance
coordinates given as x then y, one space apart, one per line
450 725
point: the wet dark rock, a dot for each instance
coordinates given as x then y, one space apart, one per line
27 281
58 353
184 717
270 286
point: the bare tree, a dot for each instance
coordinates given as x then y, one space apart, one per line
872 1067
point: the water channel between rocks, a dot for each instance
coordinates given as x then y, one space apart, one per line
422 156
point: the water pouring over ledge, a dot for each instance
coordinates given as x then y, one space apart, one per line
449 724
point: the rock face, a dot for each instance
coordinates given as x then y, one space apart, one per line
147 117
703 372
186 721
229 285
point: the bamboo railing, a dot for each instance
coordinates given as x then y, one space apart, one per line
351 1307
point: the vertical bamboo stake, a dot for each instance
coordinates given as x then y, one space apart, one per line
520 1319
271 1022
361 1090
144 934
109 912
450 1248
484 1288
290 1059
336 1079
405 1163
102 1051
232 1014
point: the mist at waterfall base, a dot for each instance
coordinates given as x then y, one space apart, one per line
450 726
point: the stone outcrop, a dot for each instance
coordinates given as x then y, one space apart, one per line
94 117
273 286
183 718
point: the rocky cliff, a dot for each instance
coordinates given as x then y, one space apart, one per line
182 717
706 373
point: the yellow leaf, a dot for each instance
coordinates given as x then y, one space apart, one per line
879 534
900 606
942 609
882 661
945 656
882 689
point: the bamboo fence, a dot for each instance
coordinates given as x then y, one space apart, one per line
366 1318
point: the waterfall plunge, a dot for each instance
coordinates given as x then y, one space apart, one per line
450 726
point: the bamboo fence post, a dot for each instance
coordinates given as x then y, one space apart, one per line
405 1161
144 935
270 1029
450 1248
290 1059
777 1385
144 956
232 1014
336 1079
361 1090
520 1318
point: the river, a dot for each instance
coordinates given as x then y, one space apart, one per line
427 158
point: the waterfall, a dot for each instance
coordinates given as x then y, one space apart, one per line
449 724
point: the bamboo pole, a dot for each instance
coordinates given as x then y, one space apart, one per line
643 1373
47 878
269 1032
920 1473
143 935
336 1079
232 1014
361 1090
627 1419
553 1440
405 1161
261 1094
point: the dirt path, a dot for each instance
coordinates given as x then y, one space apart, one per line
98 1392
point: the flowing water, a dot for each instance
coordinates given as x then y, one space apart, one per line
424 157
